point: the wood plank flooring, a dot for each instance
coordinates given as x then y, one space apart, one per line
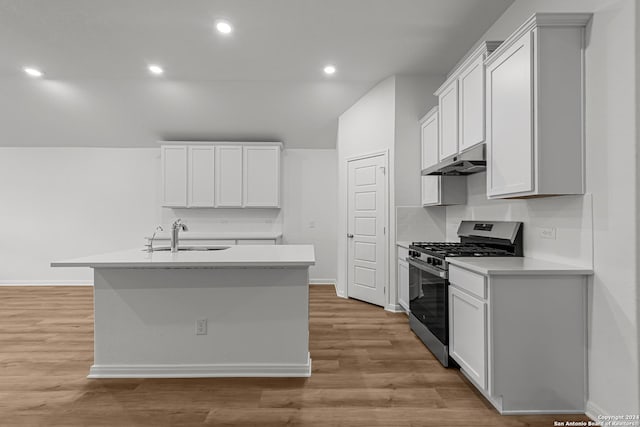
368 370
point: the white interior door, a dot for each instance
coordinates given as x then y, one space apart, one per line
366 229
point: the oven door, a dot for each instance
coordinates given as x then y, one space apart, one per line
428 298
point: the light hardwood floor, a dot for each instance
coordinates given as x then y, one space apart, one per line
368 370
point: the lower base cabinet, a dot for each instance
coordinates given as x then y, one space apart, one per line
521 338
468 325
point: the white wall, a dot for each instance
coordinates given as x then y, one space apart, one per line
310 206
386 118
60 203
367 127
611 165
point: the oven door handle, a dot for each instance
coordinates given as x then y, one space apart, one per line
425 267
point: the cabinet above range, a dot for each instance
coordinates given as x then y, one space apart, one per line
437 190
461 119
220 174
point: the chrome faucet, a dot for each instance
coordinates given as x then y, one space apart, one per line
149 245
175 229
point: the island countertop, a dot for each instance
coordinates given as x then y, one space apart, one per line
234 256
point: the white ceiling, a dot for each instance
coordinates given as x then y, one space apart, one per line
264 81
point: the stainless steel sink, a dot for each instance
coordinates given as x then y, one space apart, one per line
190 248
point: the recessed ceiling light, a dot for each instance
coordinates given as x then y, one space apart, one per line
33 72
156 70
329 70
224 27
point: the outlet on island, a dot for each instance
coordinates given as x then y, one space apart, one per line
201 327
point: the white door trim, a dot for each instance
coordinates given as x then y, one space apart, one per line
385 154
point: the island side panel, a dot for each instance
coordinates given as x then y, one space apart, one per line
145 322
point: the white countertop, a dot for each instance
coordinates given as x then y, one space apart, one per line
403 244
516 266
235 256
223 235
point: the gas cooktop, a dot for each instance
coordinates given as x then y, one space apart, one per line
452 249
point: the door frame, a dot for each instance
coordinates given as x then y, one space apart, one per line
385 154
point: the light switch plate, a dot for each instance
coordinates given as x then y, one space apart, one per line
547 233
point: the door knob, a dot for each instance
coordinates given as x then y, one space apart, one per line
350 236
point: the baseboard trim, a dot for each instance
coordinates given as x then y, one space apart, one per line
544 412
202 371
596 412
394 308
322 282
46 283
405 308
338 293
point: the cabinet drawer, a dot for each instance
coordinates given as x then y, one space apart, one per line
403 253
473 283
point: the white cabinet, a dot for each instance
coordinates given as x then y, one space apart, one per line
505 332
468 334
261 176
472 104
444 190
229 176
448 119
461 99
403 279
429 138
174 175
257 242
437 190
201 182
535 109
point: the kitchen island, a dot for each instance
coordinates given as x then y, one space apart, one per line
238 312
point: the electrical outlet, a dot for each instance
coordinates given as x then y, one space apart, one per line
201 327
312 224
547 233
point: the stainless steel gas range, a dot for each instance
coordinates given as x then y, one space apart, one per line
429 276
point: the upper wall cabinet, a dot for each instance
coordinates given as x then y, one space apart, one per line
224 175
462 104
229 176
261 177
174 175
448 103
535 109
201 182
438 190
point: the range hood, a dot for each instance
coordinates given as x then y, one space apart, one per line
468 162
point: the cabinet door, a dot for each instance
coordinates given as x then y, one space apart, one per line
472 104
262 177
174 175
228 176
509 121
429 140
468 334
430 190
201 176
403 284
448 112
